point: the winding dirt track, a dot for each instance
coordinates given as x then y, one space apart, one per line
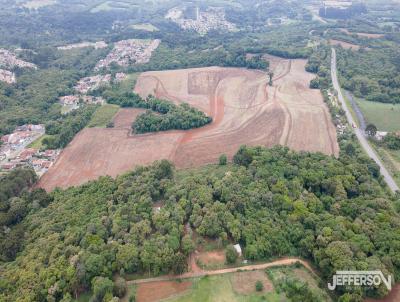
244 108
280 262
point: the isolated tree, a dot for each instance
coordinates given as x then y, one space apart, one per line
259 286
119 287
102 289
187 244
271 75
371 130
231 254
350 149
179 265
223 160
314 84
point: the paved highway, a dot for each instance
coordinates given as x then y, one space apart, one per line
360 133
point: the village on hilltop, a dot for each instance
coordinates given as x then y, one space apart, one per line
9 60
7 76
212 19
129 52
85 85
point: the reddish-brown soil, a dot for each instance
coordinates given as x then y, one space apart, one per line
244 283
125 117
156 291
245 110
212 258
367 35
345 45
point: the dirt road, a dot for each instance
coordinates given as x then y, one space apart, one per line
284 261
359 133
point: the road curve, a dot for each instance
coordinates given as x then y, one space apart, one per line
280 262
359 133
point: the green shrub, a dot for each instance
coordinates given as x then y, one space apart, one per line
259 286
223 160
231 254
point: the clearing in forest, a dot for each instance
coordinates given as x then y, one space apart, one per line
345 45
244 108
158 291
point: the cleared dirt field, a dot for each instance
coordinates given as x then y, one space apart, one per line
211 259
367 35
345 45
245 110
157 291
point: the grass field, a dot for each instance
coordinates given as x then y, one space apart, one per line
113 5
38 144
279 274
385 116
128 84
103 116
391 159
145 27
219 288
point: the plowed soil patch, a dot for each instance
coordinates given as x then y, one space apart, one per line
212 258
345 45
157 291
125 117
244 108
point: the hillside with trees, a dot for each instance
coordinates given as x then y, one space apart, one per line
274 202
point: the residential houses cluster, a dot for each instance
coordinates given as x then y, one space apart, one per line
73 102
129 52
95 45
9 60
7 76
211 19
92 83
14 150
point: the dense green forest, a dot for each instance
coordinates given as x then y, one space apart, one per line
15 203
62 130
169 117
162 115
339 217
34 98
372 74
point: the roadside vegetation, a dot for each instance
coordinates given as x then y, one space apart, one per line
386 117
296 283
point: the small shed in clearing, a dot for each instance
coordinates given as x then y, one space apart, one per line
238 249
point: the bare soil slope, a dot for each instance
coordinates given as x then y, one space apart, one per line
245 110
